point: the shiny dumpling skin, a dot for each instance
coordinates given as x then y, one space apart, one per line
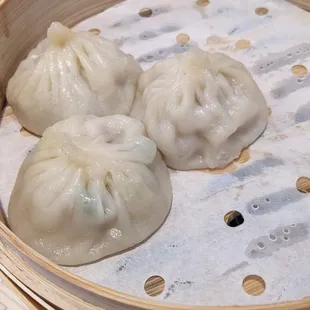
201 109
72 73
93 186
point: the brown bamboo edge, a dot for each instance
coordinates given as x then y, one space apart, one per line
304 4
34 298
25 298
41 275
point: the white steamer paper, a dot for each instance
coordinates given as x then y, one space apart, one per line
202 260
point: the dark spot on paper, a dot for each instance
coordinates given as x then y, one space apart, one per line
235 268
232 31
123 266
147 35
173 246
171 289
30 150
184 283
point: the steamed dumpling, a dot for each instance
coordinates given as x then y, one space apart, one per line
91 187
72 73
201 109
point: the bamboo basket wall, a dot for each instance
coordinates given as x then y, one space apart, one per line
22 25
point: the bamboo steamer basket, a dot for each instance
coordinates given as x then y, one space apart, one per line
22 26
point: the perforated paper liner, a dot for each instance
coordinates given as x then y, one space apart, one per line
202 260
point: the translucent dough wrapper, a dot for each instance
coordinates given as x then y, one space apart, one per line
72 73
201 109
93 186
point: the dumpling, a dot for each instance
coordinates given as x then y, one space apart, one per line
200 109
92 186
72 73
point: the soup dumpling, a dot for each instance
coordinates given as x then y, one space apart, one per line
93 186
201 109
72 73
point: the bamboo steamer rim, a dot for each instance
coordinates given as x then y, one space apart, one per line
127 299
92 7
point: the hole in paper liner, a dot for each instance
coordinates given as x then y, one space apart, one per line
260 245
255 207
286 231
303 184
299 81
202 2
146 12
285 238
254 285
154 286
299 70
267 200
94 31
261 11
243 44
233 218
182 38
272 237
